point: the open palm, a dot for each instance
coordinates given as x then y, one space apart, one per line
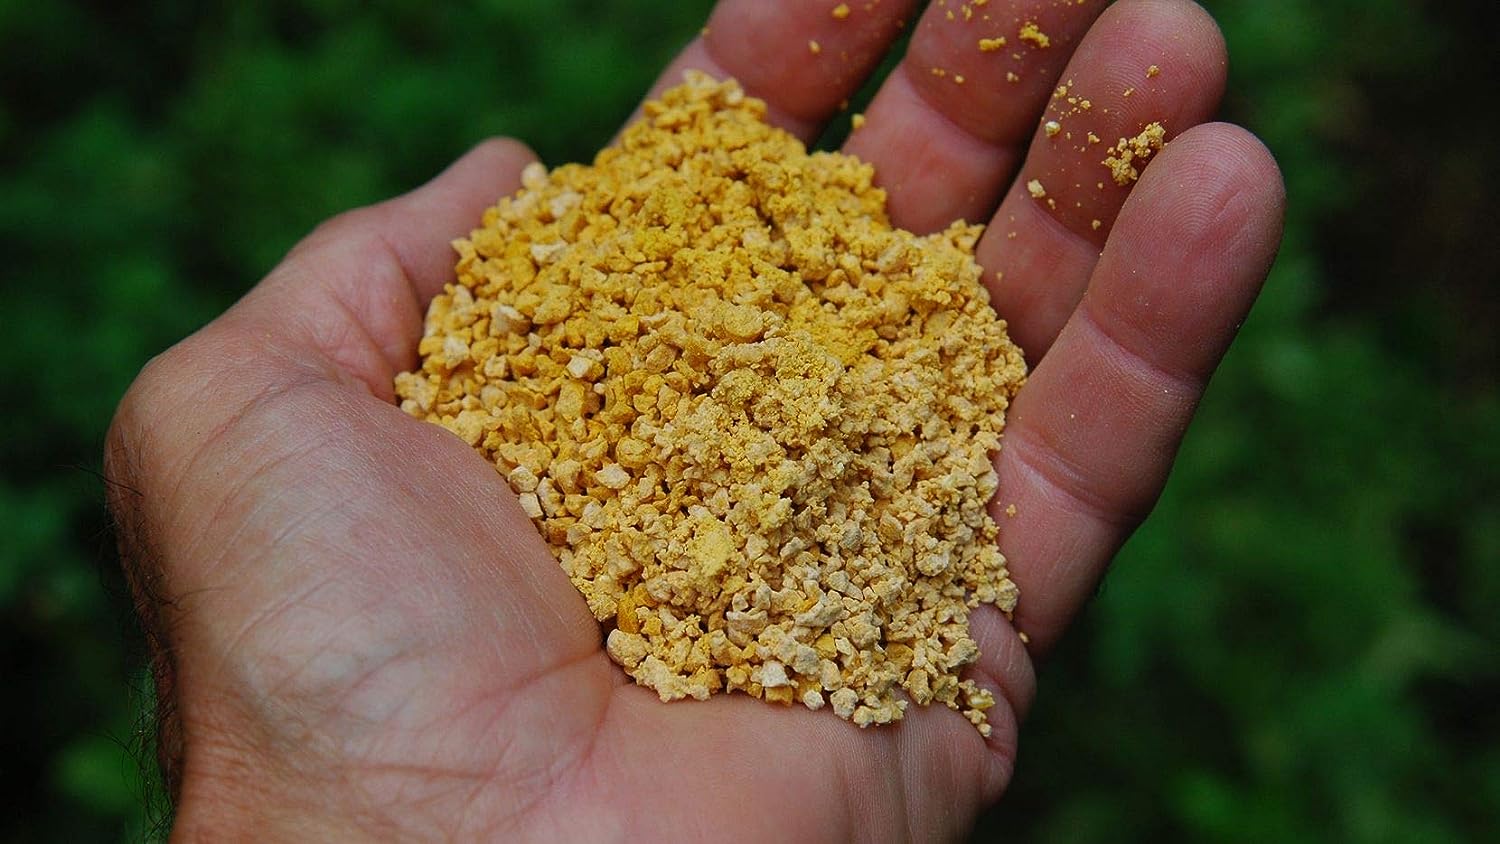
359 633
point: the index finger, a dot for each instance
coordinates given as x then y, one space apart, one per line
805 59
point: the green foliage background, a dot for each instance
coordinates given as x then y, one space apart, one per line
1299 646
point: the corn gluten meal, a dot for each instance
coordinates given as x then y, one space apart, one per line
753 421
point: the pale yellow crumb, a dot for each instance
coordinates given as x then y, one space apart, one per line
814 47
1095 224
1051 127
990 45
1034 187
1029 32
657 376
857 120
841 11
1152 71
1129 152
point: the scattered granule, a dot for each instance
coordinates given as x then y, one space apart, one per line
1034 187
1127 152
958 79
1032 34
857 121
1051 128
1010 76
990 45
1095 224
752 420
841 11
1152 71
814 47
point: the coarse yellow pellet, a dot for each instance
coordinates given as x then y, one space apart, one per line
1033 34
752 420
1128 152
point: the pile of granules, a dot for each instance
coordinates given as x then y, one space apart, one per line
753 421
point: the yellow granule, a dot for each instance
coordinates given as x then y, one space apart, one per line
841 11
1033 34
753 421
1127 152
990 45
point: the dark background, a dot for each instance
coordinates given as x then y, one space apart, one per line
1299 646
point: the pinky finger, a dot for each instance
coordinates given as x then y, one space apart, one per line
1093 435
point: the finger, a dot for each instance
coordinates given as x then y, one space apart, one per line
420 226
805 59
1093 434
946 130
1039 249
355 290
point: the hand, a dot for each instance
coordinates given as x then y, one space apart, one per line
357 632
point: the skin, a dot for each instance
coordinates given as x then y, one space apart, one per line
357 632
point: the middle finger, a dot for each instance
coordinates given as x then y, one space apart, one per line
947 128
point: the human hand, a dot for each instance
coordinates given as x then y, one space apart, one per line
359 633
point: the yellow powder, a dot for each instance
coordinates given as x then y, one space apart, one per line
1127 152
1033 34
752 420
